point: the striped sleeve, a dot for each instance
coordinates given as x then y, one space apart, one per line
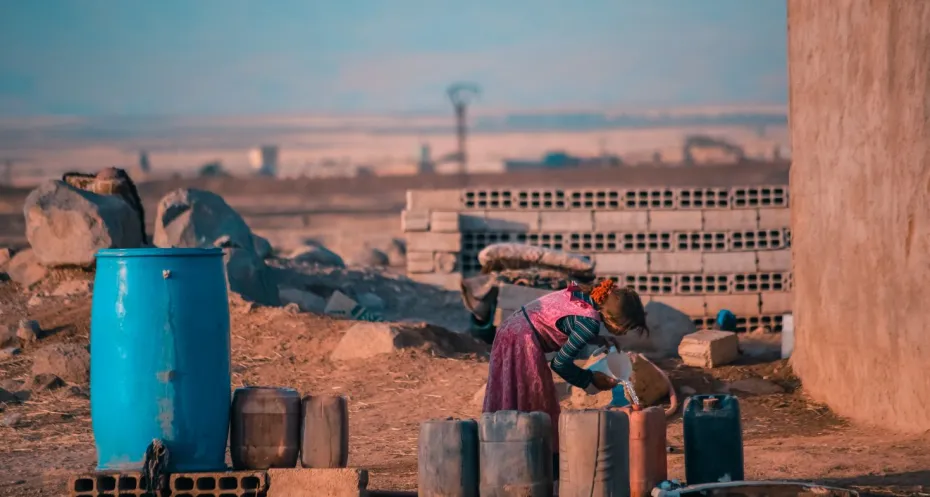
580 330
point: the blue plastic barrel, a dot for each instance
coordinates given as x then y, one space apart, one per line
159 349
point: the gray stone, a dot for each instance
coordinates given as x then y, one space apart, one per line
371 302
28 330
46 381
67 361
317 254
667 326
25 269
248 276
66 226
304 300
365 340
197 218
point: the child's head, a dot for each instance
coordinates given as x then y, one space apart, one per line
620 307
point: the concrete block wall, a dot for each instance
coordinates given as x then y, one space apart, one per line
697 249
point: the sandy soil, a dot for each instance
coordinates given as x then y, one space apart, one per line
786 435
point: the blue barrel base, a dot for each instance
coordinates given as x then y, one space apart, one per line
160 358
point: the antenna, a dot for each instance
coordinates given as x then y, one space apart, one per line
462 94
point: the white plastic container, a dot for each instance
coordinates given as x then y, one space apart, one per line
615 364
787 335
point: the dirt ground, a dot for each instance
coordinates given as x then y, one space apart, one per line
786 436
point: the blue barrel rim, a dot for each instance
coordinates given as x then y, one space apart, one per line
159 252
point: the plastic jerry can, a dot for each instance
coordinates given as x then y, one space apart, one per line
515 454
264 428
713 439
594 456
324 439
447 458
648 457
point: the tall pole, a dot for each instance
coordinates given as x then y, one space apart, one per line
461 94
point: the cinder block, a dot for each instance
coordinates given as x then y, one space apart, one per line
317 482
414 220
729 262
515 296
676 220
566 221
444 222
434 242
675 262
420 262
448 199
621 263
775 218
470 221
451 281
692 305
218 484
777 302
731 220
742 304
774 260
512 221
621 220
709 348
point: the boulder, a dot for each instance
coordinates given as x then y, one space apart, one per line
66 226
24 268
667 326
365 340
317 254
304 300
248 276
197 218
67 361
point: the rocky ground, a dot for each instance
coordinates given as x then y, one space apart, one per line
282 336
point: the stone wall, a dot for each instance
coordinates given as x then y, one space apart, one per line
697 249
860 183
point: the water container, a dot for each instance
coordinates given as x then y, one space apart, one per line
447 458
594 458
264 429
324 441
515 454
787 335
648 458
713 439
160 357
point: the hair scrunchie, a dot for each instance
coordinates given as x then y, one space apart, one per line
600 292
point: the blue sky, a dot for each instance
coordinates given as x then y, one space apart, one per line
238 57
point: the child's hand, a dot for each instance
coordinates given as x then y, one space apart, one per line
603 382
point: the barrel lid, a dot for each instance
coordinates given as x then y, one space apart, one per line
160 252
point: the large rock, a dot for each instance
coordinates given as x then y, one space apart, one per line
66 226
248 276
667 326
24 268
317 254
365 340
197 218
67 361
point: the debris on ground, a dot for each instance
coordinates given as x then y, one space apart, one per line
68 361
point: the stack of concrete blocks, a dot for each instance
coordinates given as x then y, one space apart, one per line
696 249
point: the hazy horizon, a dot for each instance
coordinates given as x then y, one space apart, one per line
367 57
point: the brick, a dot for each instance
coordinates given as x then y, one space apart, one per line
512 221
473 221
566 221
451 281
444 222
774 218
420 262
729 262
621 220
317 482
777 302
434 242
621 263
741 305
774 260
709 348
692 305
675 262
414 221
731 220
676 220
448 199
514 296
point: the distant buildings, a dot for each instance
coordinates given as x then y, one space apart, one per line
264 160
